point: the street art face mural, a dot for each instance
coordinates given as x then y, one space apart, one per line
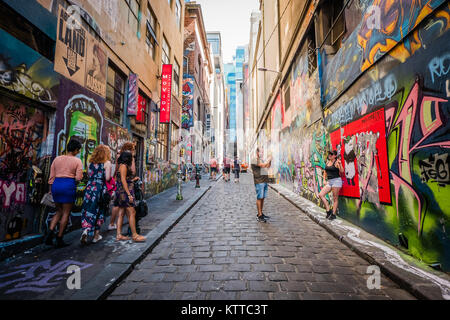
24 71
22 132
79 117
390 129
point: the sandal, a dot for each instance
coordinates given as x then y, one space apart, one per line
139 238
122 238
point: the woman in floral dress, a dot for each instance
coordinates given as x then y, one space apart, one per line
93 214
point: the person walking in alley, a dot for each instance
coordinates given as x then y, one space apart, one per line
226 169
237 169
213 166
94 203
261 179
116 211
333 169
125 196
65 172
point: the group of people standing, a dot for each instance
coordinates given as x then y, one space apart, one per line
104 185
229 166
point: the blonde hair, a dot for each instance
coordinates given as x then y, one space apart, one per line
101 154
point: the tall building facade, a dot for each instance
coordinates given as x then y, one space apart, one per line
89 71
197 73
217 94
348 76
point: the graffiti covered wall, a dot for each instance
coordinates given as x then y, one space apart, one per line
23 131
390 129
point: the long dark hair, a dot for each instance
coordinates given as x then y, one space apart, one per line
125 158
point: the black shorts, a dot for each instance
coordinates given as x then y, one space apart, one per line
226 170
214 169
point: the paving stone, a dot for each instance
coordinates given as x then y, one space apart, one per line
176 277
210 286
225 275
286 296
263 286
315 296
203 261
239 267
293 286
257 276
285 268
221 295
199 276
186 286
234 285
264 267
254 296
277 276
210 268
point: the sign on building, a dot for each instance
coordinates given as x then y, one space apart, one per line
166 93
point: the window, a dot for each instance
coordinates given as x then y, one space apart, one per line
22 30
165 52
115 90
185 65
176 78
150 40
331 24
163 140
133 13
178 12
287 93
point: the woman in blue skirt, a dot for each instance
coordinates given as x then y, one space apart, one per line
65 172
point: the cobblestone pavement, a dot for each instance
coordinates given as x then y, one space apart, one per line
218 251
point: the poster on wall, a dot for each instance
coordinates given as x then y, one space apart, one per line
78 55
363 149
166 93
71 48
142 107
96 66
187 119
132 94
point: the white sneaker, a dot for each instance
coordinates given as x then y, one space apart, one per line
84 236
97 240
112 227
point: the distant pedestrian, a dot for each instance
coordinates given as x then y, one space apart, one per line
125 196
226 169
65 172
94 206
237 169
116 211
213 166
261 179
333 169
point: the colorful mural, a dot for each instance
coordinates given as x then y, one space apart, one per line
369 42
80 117
187 117
391 130
26 72
23 130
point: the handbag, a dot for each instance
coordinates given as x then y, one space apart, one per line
47 200
111 186
105 197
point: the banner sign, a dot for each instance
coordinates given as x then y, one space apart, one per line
166 93
187 118
78 55
132 94
142 107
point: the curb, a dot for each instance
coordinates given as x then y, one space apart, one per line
104 283
415 284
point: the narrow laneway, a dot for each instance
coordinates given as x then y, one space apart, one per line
219 251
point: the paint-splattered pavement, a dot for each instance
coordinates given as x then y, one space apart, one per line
41 273
219 251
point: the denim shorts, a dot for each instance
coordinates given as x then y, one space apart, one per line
335 183
261 190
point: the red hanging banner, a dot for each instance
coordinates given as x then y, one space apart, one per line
166 93
142 107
